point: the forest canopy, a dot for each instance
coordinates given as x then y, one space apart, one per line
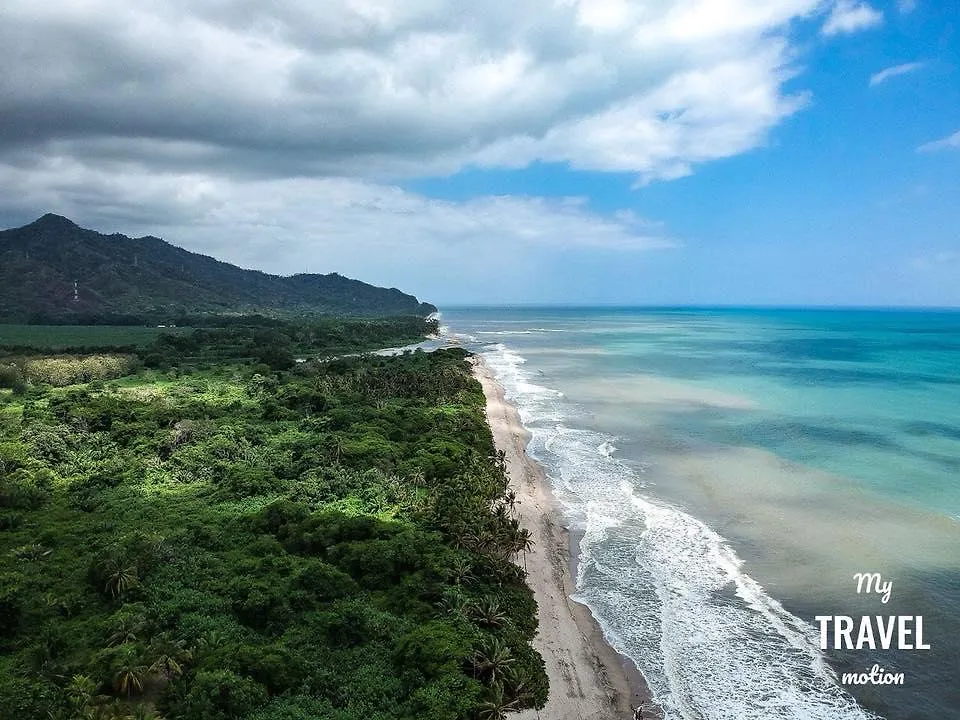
206 532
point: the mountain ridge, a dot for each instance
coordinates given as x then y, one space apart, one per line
115 274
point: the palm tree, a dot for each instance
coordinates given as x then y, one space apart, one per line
460 570
128 630
142 712
167 657
488 613
523 542
500 514
497 704
81 692
338 447
120 574
209 641
129 679
454 603
492 660
511 501
463 537
516 683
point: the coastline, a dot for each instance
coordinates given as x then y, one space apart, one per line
589 680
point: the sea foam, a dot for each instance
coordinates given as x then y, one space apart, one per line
668 591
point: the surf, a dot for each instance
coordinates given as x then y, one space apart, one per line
668 591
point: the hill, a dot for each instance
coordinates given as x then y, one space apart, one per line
119 275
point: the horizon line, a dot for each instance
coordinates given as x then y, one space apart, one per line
691 306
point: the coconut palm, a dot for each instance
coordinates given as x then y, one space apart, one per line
497 704
517 686
129 678
488 613
81 691
454 603
142 712
120 575
492 660
522 541
460 570
511 501
167 657
208 642
127 630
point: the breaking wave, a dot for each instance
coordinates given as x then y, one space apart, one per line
668 591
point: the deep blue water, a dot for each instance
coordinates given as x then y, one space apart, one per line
732 470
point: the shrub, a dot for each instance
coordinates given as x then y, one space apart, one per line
12 378
24 490
218 695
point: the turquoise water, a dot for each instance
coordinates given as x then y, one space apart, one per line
731 471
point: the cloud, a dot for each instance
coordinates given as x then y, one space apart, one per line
378 232
280 135
848 16
385 88
906 6
937 267
894 71
951 142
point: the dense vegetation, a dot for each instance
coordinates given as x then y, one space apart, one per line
77 338
327 540
147 277
234 338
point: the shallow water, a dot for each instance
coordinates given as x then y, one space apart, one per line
731 471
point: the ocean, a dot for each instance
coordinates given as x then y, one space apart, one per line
729 472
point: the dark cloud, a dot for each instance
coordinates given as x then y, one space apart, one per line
428 85
287 123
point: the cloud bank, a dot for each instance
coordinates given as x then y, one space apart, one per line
192 114
390 88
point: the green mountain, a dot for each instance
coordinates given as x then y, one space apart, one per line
117 275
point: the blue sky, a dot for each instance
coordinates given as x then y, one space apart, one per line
673 152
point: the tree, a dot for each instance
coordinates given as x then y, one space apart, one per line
130 625
129 672
492 660
119 574
167 657
81 692
489 613
219 695
497 704
12 378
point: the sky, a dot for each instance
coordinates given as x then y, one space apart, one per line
631 152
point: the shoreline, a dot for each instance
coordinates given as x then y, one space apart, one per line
589 680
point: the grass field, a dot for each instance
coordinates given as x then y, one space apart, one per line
57 337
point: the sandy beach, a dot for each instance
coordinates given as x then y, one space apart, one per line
589 680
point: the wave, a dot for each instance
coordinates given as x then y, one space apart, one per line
531 331
668 591
446 333
606 449
505 332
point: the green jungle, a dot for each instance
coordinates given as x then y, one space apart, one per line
255 521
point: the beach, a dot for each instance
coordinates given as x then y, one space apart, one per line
724 475
589 680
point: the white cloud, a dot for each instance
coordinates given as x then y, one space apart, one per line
848 16
378 232
906 6
278 135
385 88
894 71
937 268
951 142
